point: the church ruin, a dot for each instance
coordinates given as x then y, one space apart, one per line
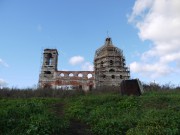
109 70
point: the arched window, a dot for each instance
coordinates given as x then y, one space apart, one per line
49 59
111 62
89 76
111 70
62 75
80 75
71 75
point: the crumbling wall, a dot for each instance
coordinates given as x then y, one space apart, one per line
70 80
79 79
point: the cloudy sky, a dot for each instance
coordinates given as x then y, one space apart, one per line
148 32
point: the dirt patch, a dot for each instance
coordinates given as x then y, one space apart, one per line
79 128
58 109
76 127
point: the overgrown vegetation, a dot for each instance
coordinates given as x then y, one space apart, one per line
153 113
34 112
29 117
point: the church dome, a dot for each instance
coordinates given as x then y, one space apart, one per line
108 49
109 65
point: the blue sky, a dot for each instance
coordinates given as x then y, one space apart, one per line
78 28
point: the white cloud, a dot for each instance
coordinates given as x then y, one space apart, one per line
3 63
87 66
79 60
75 60
2 83
151 70
158 21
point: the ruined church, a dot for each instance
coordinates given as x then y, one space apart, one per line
109 70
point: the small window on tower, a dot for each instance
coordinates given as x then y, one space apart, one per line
49 59
102 63
113 76
111 62
111 70
47 72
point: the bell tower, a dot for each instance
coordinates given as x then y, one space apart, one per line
49 66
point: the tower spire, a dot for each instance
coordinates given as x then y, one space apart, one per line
107 34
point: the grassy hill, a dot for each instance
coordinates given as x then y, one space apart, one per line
94 113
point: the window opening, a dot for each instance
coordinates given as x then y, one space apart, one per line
113 76
62 74
89 76
49 59
111 70
47 72
111 62
90 87
71 75
103 76
80 75
102 63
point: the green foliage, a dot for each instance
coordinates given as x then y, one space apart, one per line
111 114
29 117
161 122
108 113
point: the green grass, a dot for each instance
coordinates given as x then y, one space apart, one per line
29 117
111 114
154 113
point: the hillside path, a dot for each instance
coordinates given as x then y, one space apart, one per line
76 127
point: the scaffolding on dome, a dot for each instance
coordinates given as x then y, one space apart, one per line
109 63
